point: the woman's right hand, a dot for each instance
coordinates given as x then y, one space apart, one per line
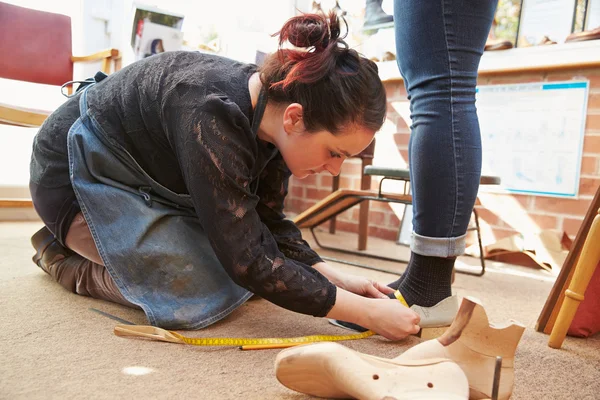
386 317
392 320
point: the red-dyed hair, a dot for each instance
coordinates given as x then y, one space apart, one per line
335 85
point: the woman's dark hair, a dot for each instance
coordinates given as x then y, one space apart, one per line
335 85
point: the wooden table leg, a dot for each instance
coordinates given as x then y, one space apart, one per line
588 260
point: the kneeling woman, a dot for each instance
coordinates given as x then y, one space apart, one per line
162 186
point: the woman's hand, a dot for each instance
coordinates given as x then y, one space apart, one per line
364 287
390 319
386 317
353 283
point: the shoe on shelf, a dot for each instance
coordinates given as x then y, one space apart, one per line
497 44
331 370
434 320
374 14
593 34
474 344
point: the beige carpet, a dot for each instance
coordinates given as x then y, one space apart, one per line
53 346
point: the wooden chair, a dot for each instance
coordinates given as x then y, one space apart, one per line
36 47
575 275
343 199
366 157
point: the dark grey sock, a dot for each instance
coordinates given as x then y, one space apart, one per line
396 284
426 281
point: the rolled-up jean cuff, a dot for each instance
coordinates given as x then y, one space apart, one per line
438 247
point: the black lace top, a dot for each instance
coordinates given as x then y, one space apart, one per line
186 118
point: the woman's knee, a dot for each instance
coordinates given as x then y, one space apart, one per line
79 239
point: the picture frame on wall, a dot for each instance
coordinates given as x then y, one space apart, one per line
155 31
545 22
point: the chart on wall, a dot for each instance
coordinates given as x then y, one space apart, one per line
532 135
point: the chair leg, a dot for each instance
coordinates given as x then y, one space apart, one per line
363 216
481 254
584 270
335 186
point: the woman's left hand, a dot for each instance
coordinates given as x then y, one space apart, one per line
364 287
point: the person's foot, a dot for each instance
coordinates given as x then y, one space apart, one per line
48 249
440 315
426 284
426 281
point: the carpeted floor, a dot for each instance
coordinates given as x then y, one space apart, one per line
53 346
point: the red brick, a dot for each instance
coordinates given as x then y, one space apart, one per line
589 165
310 180
350 215
571 226
325 181
525 200
391 86
404 154
394 221
352 167
297 191
488 216
347 226
299 205
561 206
316 194
401 139
591 144
545 221
589 185
379 205
577 74
382 233
518 78
399 123
377 218
594 101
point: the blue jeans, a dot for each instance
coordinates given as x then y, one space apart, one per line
438 45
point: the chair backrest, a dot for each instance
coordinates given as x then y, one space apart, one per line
35 46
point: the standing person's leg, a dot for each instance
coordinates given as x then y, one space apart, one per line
439 44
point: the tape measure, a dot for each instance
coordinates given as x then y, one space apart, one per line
155 333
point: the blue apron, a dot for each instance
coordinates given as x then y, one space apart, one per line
150 239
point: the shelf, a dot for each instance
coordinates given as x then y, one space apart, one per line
554 57
377 27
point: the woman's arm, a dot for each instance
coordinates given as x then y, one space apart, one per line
387 317
353 283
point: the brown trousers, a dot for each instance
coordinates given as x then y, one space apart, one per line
84 273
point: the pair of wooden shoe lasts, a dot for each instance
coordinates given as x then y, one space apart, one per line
460 364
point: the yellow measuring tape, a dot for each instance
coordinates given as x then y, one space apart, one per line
152 332
155 333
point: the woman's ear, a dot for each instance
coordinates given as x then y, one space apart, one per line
292 119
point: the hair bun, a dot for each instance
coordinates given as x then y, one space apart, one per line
311 30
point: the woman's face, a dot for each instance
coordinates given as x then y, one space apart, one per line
307 153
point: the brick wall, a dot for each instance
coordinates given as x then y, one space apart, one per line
501 215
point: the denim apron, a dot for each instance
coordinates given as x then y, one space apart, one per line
149 237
